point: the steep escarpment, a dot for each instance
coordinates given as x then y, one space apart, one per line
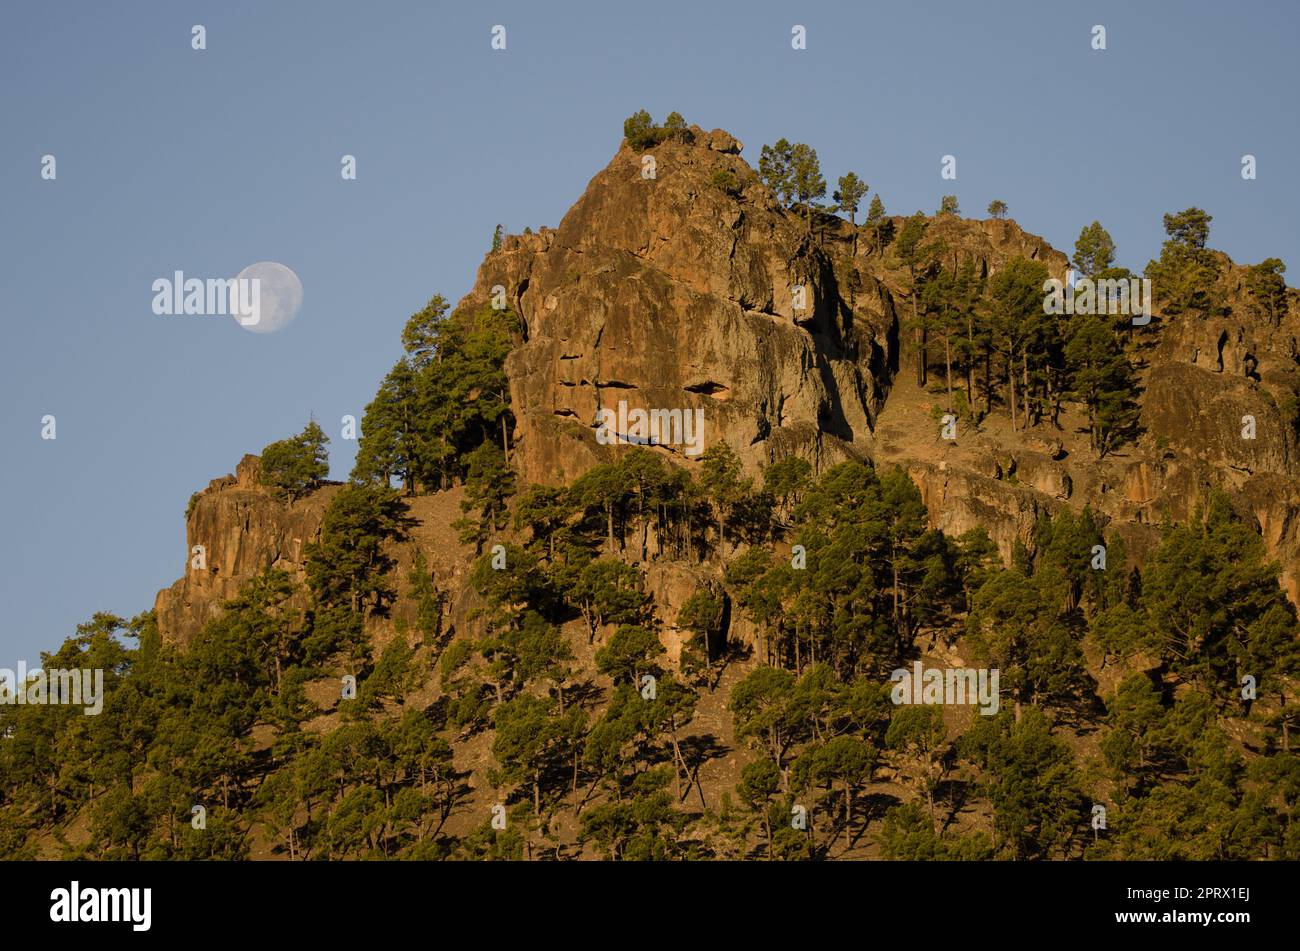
672 292
675 292
235 529
684 284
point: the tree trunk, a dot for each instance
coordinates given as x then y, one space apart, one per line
970 363
898 636
645 526
988 383
947 366
1011 384
848 815
916 334
679 766
575 782
1024 370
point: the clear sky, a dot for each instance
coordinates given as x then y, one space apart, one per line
208 161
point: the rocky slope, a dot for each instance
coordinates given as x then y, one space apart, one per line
679 292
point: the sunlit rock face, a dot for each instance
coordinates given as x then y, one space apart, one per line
694 290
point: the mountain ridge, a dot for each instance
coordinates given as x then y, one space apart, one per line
706 276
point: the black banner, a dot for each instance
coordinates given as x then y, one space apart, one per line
348 901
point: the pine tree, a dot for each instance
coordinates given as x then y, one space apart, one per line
488 487
609 592
723 480
544 510
390 444
428 600
1094 251
639 130
347 566
786 480
760 706
849 194
1014 628
917 257
843 761
807 182
1015 318
1102 379
423 334
920 742
296 466
1267 289
1032 782
949 302
647 480
776 168
525 742
604 487
1185 276
391 679
702 615
875 222
629 654
1215 604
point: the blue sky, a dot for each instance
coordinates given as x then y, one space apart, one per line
208 161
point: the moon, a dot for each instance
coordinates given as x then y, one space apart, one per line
279 296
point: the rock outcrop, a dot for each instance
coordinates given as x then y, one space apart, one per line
673 292
235 529
682 284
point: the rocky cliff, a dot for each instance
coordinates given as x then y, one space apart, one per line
235 529
684 285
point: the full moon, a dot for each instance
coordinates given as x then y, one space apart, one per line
279 296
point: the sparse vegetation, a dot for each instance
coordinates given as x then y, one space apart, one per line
641 132
725 180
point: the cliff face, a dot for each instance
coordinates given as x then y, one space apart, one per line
234 530
244 528
673 292
670 293
1220 409
681 291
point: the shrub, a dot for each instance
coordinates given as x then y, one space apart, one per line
640 131
724 179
